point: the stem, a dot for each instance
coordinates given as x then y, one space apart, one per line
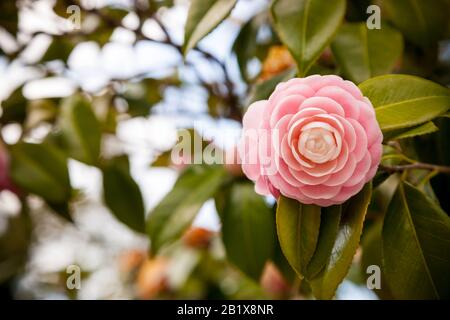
417 165
295 289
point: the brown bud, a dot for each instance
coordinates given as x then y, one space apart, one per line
152 278
197 237
278 60
131 260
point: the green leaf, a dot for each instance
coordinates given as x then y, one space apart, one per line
347 240
245 45
298 230
122 195
203 17
138 107
163 160
216 106
263 90
372 256
39 111
248 46
14 108
248 230
155 5
81 130
116 13
142 96
176 211
329 225
440 155
189 148
416 246
41 169
59 49
282 264
362 53
403 101
357 10
9 16
421 129
379 178
14 244
446 115
422 22
306 27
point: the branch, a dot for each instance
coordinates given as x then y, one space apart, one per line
417 165
230 98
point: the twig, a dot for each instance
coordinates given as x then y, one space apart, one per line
417 165
230 98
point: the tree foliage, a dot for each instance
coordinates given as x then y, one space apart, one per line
398 67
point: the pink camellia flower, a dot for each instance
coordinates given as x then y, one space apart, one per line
316 139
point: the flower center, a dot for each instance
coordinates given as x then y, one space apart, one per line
317 144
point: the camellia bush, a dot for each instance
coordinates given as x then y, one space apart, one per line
342 171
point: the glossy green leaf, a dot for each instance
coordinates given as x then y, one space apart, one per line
421 129
142 96
158 4
379 178
441 182
306 27
248 45
422 22
14 244
245 45
403 101
357 10
41 169
59 49
329 226
163 160
363 53
122 194
62 209
248 229
81 130
203 17
39 111
298 230
9 16
416 246
117 13
189 148
262 90
14 108
282 264
446 115
372 256
347 240
176 211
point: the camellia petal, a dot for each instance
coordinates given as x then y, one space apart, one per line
318 141
287 105
344 98
324 103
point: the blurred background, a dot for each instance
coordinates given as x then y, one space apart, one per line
126 58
